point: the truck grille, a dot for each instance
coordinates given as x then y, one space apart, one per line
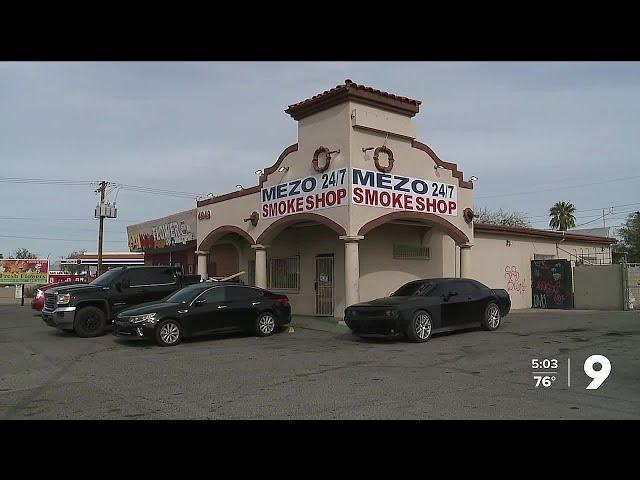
50 301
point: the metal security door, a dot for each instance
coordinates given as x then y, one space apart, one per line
324 285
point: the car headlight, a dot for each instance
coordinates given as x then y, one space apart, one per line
64 298
146 318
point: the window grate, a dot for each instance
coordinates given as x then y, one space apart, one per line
284 273
411 252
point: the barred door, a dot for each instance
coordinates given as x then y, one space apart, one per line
324 285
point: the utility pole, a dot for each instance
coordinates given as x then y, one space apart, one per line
604 224
102 188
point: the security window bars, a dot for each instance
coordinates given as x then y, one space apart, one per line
284 273
411 252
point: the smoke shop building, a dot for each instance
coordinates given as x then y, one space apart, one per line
357 206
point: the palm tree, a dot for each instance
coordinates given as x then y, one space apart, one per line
562 216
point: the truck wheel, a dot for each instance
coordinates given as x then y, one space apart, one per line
90 322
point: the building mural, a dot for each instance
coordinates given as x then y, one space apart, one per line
155 234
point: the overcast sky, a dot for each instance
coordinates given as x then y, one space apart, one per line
534 133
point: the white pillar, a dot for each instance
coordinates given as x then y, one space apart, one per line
465 261
261 265
351 270
202 265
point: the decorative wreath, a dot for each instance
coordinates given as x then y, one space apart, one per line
389 153
316 154
468 215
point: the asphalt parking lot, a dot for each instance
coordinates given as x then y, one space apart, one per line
311 374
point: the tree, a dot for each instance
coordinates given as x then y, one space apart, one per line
24 253
561 216
630 233
502 217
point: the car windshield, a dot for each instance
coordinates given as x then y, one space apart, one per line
185 295
412 289
107 278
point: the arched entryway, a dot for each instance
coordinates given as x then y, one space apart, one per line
399 247
226 251
302 256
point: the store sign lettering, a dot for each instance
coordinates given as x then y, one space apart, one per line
306 194
398 192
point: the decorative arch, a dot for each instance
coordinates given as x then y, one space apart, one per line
219 232
276 227
454 232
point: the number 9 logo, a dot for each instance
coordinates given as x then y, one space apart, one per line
598 376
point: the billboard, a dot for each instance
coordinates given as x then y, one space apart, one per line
24 270
315 192
181 228
386 190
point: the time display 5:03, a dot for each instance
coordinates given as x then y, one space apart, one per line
544 363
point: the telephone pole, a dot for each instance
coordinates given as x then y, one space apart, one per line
102 188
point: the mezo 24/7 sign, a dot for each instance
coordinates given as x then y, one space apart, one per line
315 192
386 190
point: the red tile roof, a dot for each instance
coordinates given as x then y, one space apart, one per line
353 91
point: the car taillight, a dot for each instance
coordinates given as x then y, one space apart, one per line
282 300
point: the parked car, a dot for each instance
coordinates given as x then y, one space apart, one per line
420 307
88 308
205 308
38 299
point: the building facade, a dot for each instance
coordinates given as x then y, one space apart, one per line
357 207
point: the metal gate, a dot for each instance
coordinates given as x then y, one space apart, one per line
632 286
324 285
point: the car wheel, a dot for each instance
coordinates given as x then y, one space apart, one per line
492 317
420 327
90 322
265 324
168 333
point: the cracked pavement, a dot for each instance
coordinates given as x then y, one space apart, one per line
310 374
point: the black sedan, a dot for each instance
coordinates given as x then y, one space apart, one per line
205 308
420 307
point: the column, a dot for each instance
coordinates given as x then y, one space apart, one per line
202 265
261 265
465 261
351 269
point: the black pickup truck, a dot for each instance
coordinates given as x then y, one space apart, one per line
88 308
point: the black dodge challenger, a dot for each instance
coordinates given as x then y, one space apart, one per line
421 307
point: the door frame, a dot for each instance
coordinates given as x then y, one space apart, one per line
316 279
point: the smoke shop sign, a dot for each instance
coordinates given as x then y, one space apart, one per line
306 194
397 192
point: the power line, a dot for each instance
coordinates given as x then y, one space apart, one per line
60 239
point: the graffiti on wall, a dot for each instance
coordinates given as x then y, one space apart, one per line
551 284
514 283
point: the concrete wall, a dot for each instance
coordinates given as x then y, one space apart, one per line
598 287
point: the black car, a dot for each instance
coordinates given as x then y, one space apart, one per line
420 307
204 308
88 308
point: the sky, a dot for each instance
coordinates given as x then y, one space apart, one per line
534 133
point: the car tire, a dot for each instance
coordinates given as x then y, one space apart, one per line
265 324
168 333
420 327
90 322
492 317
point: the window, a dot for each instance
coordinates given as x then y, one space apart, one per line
411 252
284 273
242 293
149 276
213 295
